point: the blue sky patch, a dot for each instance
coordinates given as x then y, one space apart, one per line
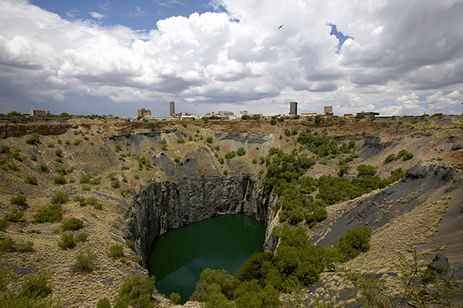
340 36
137 14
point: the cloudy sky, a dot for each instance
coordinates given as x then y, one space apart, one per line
112 57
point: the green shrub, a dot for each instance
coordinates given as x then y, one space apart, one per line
16 155
62 171
85 262
15 215
32 180
116 251
209 139
34 292
7 244
241 151
343 169
3 224
92 201
390 158
20 200
33 139
103 303
43 168
81 200
118 147
67 241
366 170
33 157
136 291
85 178
254 161
59 180
37 285
81 237
396 175
27 246
175 298
180 140
224 280
251 294
354 242
407 156
72 224
404 154
4 149
230 155
115 183
59 153
59 197
287 132
51 213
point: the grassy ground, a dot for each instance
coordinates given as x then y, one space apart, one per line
87 149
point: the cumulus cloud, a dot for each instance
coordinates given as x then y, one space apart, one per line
401 61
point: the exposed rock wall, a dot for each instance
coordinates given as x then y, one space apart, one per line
42 128
163 206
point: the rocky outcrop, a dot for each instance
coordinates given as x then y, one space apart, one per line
381 207
163 206
11 129
244 138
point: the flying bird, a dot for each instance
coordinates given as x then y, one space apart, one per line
339 35
281 26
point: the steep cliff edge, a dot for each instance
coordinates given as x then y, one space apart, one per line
163 206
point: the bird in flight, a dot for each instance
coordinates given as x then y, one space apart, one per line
281 26
339 35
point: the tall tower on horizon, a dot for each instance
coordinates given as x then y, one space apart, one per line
293 108
171 108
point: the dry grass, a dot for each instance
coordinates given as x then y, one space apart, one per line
97 156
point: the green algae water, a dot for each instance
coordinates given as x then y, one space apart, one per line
225 242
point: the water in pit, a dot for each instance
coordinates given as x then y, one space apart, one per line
225 242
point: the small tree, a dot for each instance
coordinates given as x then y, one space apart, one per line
241 151
136 291
33 139
19 200
32 180
116 251
175 298
354 242
366 170
85 262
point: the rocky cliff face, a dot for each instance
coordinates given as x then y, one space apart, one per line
163 206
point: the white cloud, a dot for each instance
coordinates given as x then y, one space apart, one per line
96 15
398 62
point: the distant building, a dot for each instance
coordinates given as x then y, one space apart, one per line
348 115
368 114
309 114
171 108
141 113
293 108
244 112
328 110
226 115
186 116
38 112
